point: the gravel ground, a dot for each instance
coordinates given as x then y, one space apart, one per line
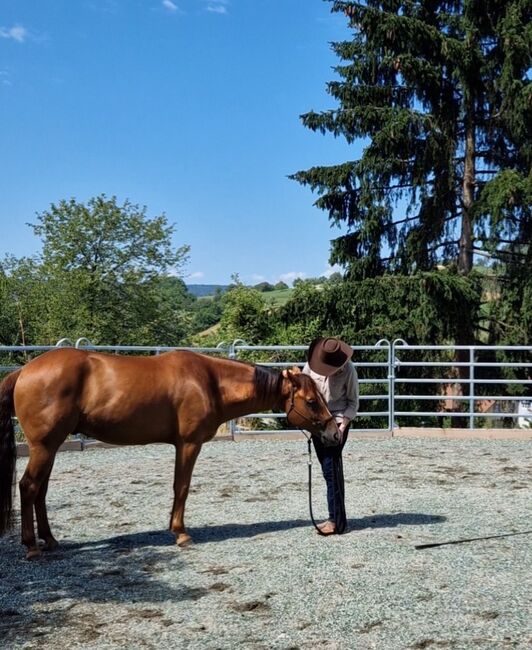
258 576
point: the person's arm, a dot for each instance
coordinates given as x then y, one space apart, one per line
351 389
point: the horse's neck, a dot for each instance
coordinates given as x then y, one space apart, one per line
239 392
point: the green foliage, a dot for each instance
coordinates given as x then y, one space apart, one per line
206 312
105 273
245 315
441 92
22 299
427 308
264 286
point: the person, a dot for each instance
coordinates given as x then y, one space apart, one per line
328 363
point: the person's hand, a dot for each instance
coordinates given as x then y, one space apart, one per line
343 424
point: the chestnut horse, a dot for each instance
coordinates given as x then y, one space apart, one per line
180 398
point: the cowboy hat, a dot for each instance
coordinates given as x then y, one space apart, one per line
327 355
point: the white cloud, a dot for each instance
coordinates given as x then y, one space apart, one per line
218 6
197 275
332 269
16 33
168 4
291 276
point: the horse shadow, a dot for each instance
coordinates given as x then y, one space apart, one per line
132 568
47 593
224 532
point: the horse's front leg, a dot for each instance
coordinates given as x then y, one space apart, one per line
186 454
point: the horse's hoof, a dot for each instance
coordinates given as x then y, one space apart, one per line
183 540
33 553
50 544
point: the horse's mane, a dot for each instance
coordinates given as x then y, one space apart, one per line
267 382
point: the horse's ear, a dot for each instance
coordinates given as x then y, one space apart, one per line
292 374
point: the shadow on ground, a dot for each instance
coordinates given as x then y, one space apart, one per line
51 592
394 520
221 533
130 569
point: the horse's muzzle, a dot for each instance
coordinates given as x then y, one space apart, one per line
330 435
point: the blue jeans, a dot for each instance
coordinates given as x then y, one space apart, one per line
331 466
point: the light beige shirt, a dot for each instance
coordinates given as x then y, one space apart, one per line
339 390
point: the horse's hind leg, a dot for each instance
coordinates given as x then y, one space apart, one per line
43 526
36 475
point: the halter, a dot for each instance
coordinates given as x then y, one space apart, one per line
315 423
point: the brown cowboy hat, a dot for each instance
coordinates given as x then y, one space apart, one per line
327 355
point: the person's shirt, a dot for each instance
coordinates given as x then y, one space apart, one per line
339 390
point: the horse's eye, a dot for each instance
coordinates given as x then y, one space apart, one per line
312 403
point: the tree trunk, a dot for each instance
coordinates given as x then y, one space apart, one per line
465 253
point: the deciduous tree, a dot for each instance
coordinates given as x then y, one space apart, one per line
106 269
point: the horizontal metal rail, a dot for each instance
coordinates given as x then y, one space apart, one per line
461 364
463 381
458 414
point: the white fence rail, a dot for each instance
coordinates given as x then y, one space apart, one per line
461 385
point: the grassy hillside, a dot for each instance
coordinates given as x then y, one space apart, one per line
277 298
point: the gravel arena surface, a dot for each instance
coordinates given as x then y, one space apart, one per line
258 575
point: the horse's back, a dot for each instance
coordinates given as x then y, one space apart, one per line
119 399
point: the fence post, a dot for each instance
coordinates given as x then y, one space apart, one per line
471 388
232 424
232 355
394 363
391 376
63 343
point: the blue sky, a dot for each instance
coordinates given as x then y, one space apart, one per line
190 107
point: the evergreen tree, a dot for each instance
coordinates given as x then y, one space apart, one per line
441 91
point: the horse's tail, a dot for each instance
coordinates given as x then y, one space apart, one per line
8 451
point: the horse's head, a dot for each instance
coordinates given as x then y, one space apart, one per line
306 409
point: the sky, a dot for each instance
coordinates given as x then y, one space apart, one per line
189 107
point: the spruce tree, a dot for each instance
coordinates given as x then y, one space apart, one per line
441 92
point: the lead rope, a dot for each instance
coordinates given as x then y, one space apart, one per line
340 519
309 463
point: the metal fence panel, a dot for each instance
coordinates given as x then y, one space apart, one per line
384 388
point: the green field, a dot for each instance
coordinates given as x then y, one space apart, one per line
271 298
277 298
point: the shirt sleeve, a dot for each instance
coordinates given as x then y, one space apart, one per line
351 389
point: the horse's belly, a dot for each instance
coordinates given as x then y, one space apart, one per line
139 428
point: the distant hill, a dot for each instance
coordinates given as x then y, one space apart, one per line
201 290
